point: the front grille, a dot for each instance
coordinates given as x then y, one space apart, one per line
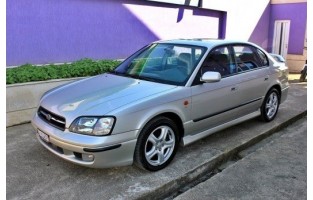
51 118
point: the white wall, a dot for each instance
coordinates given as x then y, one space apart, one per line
164 22
242 15
242 18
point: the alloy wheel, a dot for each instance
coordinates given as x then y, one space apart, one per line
159 145
271 105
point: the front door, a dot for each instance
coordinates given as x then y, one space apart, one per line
213 103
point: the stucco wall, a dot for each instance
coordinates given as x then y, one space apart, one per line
297 14
260 32
246 20
40 32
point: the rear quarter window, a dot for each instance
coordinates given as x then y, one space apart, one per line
263 58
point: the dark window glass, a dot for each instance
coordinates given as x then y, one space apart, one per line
219 60
246 59
263 58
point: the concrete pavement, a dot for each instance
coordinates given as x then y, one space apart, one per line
275 171
34 173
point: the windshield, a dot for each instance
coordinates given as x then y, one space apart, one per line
163 63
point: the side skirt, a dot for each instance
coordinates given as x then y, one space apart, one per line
192 138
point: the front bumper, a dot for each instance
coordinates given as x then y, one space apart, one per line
90 151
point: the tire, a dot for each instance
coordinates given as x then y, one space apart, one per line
157 144
270 105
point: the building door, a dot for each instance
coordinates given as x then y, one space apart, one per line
281 37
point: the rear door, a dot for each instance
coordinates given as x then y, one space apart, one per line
253 77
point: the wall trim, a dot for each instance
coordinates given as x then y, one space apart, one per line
287 1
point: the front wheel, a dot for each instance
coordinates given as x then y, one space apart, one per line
157 144
270 105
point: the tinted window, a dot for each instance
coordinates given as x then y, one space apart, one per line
263 58
219 60
246 58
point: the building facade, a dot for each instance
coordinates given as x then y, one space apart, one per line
40 32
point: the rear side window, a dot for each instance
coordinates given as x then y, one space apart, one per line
246 58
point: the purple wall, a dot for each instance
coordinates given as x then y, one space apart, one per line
57 31
48 31
260 32
297 14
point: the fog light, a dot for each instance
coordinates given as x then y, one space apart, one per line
88 157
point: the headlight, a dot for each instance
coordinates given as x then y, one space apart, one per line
93 125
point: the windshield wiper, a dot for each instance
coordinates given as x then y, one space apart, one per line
145 78
117 73
148 78
124 74
135 76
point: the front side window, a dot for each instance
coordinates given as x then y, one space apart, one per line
164 63
219 60
246 58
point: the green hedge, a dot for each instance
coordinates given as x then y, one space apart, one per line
81 68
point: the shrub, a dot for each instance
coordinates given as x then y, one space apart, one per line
80 68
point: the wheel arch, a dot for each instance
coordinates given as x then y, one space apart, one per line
264 112
278 88
140 158
173 116
178 122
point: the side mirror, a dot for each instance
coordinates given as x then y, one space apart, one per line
278 58
209 77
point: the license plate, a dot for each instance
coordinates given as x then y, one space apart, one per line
43 136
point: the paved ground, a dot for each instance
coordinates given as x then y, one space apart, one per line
275 171
34 173
294 77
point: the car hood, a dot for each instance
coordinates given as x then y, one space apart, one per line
98 95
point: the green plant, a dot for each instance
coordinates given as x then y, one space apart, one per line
80 68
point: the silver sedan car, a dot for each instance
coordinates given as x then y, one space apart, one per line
167 94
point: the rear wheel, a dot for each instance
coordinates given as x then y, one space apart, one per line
157 144
270 105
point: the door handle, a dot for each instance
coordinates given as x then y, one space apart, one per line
233 89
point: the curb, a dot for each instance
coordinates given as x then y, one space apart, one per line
207 167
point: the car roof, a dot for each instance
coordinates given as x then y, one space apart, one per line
206 42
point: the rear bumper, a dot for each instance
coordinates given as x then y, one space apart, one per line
89 151
284 94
